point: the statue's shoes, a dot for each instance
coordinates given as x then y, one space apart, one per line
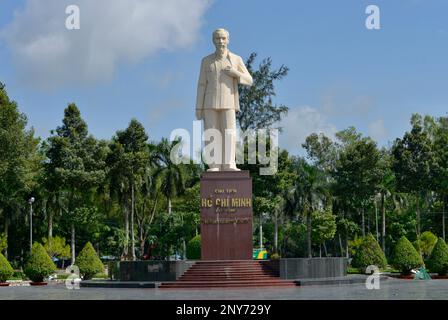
213 170
231 169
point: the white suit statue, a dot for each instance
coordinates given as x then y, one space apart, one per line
218 100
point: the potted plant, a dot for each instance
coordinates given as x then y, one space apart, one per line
6 271
88 262
39 266
406 258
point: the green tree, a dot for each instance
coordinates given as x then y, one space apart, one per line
357 172
76 161
194 248
257 108
440 167
323 228
133 161
308 193
405 257
19 160
39 265
57 248
6 270
88 262
170 176
3 242
438 261
386 189
426 242
412 162
369 253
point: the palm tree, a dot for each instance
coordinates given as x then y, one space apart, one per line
170 176
308 194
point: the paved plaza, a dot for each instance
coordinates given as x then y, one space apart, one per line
389 290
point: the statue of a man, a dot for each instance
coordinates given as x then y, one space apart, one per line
218 100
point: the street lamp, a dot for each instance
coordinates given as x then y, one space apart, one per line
31 201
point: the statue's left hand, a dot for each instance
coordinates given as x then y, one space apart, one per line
232 72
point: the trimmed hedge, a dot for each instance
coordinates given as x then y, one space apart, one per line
405 257
194 248
6 271
369 253
39 265
438 261
88 262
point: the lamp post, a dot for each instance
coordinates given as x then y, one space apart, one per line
31 201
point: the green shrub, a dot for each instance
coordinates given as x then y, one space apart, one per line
354 244
275 256
405 257
88 262
425 243
369 253
438 261
3 242
39 265
194 248
6 271
18 275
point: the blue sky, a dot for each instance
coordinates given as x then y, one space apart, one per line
142 61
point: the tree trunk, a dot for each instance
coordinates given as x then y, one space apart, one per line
308 234
6 235
184 249
383 215
132 223
73 243
376 222
363 223
142 241
346 245
276 234
325 249
126 230
443 216
418 215
169 214
340 244
50 225
320 250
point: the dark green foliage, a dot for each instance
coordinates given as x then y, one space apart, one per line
194 248
88 262
369 253
39 266
405 257
257 108
6 270
438 261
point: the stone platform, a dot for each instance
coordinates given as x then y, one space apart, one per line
226 215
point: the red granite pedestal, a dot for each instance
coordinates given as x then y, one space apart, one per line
226 215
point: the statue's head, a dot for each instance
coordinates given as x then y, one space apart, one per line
221 38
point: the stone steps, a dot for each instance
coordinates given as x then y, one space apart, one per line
228 274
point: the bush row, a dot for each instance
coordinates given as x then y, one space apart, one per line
39 266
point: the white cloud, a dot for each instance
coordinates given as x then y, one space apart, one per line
342 101
47 55
377 130
300 123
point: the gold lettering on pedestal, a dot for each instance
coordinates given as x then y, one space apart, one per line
226 221
206 203
225 204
